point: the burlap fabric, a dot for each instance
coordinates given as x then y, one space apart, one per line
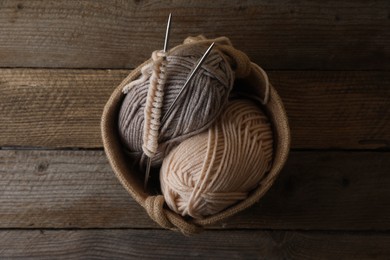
251 81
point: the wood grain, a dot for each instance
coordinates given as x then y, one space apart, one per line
159 244
77 189
336 109
54 108
62 108
322 35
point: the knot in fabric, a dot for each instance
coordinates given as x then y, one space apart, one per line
154 206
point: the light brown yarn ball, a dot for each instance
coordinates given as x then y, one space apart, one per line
201 103
218 168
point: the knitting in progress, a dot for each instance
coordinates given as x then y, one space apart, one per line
223 152
149 97
217 168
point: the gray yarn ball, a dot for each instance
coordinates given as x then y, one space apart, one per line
198 107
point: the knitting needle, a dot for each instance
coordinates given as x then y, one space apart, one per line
167 32
149 161
194 70
170 109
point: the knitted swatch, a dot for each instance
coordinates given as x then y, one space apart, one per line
217 168
150 96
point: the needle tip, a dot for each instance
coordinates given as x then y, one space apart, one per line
148 164
212 45
167 32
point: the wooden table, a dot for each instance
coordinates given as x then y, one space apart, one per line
60 61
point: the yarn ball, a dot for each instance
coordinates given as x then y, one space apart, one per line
200 104
215 169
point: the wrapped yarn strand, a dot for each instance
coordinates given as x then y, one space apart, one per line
215 169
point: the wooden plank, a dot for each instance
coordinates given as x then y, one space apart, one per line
54 108
77 189
62 108
336 109
325 35
160 244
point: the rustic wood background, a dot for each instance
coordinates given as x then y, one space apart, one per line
60 61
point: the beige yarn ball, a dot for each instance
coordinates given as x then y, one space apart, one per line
215 169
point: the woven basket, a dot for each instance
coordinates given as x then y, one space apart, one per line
256 85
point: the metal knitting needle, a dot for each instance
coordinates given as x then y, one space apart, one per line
194 70
149 161
170 109
167 32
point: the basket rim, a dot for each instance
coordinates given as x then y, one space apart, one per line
117 159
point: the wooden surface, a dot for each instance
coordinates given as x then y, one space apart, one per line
60 61
62 108
277 34
157 244
317 190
